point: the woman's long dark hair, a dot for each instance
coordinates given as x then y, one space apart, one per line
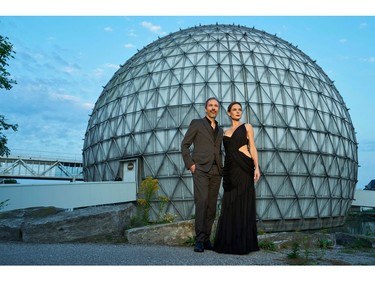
233 103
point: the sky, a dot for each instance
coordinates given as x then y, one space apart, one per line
63 61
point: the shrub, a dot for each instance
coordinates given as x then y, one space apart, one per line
147 195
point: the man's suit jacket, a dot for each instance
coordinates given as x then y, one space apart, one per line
206 149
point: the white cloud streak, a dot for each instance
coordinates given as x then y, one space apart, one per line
129 46
153 28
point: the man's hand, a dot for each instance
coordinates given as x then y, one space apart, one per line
192 168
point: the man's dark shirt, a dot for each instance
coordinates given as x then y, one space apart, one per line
214 131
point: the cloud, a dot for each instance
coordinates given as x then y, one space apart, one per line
98 72
69 69
129 46
111 65
101 71
132 33
367 146
363 25
343 40
153 28
369 59
108 29
64 97
88 105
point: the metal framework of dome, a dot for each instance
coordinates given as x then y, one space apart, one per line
303 131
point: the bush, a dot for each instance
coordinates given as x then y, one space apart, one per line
147 196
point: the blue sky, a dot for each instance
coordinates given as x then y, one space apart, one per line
62 62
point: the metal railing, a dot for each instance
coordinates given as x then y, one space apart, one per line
38 165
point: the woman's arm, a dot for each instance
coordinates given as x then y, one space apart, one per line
253 150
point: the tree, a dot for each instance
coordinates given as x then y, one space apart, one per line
6 52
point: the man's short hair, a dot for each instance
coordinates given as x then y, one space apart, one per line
211 98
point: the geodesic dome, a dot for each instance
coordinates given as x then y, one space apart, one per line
303 131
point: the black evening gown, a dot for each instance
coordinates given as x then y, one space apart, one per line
236 231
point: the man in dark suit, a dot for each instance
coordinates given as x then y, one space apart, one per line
205 164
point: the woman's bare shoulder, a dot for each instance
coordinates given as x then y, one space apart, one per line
248 126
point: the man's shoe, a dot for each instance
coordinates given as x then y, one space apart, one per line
199 247
207 245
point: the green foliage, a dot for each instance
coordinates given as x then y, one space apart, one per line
149 187
368 231
163 200
6 52
261 231
359 244
4 150
168 218
325 243
295 251
267 245
306 247
147 197
190 241
8 181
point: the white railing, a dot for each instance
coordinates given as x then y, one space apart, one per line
46 155
66 195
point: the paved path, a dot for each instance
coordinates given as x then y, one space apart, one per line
123 260
18 253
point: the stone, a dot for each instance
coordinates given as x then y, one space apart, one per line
172 234
10 229
11 221
82 225
54 225
285 240
354 241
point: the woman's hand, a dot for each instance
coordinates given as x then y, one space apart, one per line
256 174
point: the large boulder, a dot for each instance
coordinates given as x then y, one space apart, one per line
91 224
11 221
172 234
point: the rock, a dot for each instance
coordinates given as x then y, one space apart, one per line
11 221
172 234
108 224
285 240
34 212
10 229
353 241
51 225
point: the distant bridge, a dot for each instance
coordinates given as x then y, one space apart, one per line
41 167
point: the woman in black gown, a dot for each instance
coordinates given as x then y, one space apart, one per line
236 229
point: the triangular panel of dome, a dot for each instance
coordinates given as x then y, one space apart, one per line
173 142
291 209
160 119
161 142
338 207
188 113
275 165
148 143
297 164
130 148
308 207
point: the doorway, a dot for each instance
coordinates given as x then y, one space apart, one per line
130 170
